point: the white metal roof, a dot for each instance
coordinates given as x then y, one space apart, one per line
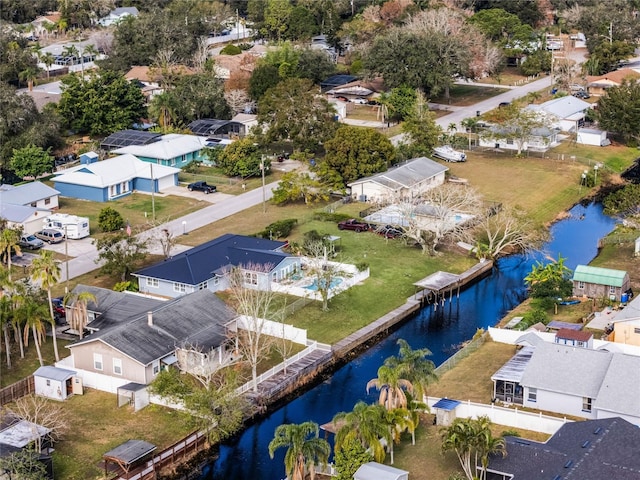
113 170
169 146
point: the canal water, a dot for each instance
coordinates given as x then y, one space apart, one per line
480 306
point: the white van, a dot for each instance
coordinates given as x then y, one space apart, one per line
71 226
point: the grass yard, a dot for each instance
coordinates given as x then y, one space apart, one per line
97 425
135 208
23 367
465 95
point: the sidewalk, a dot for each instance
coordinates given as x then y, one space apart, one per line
85 261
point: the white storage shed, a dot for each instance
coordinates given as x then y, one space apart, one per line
591 136
378 471
53 382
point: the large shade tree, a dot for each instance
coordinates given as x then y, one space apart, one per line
293 111
358 152
619 111
304 449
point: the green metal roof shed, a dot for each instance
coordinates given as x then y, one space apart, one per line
600 276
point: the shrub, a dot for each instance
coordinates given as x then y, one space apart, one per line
331 217
192 167
127 286
510 433
231 50
362 266
279 229
110 220
534 316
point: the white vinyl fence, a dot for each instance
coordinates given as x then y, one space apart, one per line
508 417
271 328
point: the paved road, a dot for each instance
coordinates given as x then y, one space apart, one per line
85 261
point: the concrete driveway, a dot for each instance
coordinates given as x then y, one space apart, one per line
182 191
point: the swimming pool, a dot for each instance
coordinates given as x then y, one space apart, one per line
334 283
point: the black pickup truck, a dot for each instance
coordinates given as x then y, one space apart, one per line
201 187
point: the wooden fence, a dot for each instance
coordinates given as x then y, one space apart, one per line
17 390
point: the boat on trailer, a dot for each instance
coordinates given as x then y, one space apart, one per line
447 153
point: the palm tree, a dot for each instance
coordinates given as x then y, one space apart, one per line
34 316
414 367
91 51
460 437
304 448
398 420
48 59
365 423
5 321
163 108
45 270
392 387
78 314
9 239
29 75
487 444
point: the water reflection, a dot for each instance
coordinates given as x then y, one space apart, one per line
480 306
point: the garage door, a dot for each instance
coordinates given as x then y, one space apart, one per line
166 182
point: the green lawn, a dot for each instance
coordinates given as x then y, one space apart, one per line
135 208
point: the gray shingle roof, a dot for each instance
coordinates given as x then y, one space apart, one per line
197 319
200 263
567 369
620 390
589 450
406 175
26 194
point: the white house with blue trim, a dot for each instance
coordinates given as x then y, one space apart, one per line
114 178
206 266
172 150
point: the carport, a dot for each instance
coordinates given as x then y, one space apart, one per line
126 456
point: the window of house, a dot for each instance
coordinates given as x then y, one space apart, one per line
173 162
586 404
203 286
156 368
48 383
153 282
179 287
250 278
533 394
216 281
636 330
579 343
47 201
581 285
34 204
97 361
509 141
117 366
612 289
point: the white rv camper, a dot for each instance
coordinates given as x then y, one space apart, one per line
71 226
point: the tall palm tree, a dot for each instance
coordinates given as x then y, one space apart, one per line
304 448
486 444
5 321
398 420
365 423
78 314
163 108
412 365
91 51
45 270
392 387
9 239
34 316
460 437
48 59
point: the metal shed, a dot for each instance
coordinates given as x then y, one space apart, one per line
134 394
378 471
53 382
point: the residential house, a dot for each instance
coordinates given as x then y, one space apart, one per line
582 382
117 15
563 113
114 178
626 324
124 138
172 150
590 450
226 66
206 266
136 347
540 140
597 282
379 471
598 85
249 120
152 79
43 24
214 128
25 206
358 89
407 180
574 338
336 81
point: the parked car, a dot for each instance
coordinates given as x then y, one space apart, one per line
504 104
581 94
50 236
359 101
58 307
354 224
201 187
30 242
389 231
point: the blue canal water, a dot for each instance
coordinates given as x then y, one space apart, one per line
480 306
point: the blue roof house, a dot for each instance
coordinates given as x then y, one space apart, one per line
173 150
114 178
206 266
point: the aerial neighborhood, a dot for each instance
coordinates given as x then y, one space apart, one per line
350 239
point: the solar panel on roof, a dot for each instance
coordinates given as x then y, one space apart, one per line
125 138
206 126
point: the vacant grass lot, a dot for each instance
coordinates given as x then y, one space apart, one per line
465 95
135 208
